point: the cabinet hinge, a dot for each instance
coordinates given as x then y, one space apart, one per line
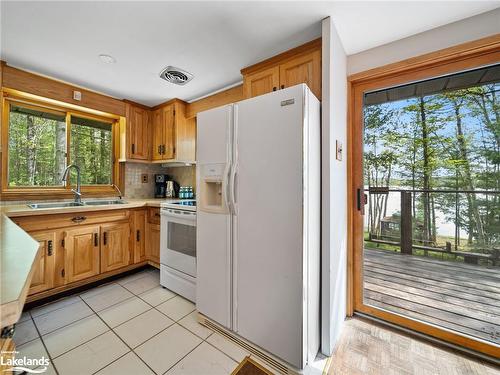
63 273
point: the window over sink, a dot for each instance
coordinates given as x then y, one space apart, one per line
40 141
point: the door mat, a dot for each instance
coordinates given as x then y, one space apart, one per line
250 367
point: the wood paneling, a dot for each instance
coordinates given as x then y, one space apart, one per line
82 253
168 131
114 246
139 235
262 82
451 60
232 95
157 134
44 273
49 88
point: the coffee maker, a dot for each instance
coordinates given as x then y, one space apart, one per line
160 185
165 187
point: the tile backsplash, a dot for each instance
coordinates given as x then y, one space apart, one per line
135 188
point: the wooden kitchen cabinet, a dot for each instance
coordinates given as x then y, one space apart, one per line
82 256
262 82
153 242
137 132
44 274
173 136
139 236
115 250
298 65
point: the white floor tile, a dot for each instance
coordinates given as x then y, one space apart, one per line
134 276
129 364
168 347
58 318
35 350
204 360
110 295
191 322
25 331
142 284
69 337
106 286
157 295
24 316
176 308
143 327
91 356
123 311
231 349
37 311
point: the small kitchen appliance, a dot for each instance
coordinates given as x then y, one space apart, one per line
161 185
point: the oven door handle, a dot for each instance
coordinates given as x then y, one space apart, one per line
179 214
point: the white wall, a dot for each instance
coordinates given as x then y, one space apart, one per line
459 32
334 188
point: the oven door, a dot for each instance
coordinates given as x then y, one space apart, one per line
178 240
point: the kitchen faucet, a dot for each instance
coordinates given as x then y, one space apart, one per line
77 192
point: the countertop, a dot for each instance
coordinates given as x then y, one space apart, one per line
19 252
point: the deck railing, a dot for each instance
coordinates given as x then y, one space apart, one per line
402 229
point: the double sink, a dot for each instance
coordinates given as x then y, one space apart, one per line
75 204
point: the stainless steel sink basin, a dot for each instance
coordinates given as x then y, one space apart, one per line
54 205
74 204
103 202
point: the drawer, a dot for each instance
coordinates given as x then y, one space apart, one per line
55 221
154 215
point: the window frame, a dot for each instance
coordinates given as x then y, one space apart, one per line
10 97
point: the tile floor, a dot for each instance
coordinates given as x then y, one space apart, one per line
128 326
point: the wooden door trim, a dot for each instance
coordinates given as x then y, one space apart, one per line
466 56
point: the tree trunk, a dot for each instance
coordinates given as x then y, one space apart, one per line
60 162
30 151
426 169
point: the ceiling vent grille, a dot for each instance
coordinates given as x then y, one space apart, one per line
176 76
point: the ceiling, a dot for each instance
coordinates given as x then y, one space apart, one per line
212 40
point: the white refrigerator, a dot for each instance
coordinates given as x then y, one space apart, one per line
258 222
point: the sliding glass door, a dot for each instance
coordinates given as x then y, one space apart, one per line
427 230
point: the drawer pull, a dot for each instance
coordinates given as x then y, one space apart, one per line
105 238
49 248
96 239
138 235
78 219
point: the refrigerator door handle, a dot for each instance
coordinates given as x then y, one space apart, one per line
232 189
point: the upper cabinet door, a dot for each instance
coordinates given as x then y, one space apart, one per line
139 133
261 82
168 148
43 276
115 246
302 69
157 141
82 253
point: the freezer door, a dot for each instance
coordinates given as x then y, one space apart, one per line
213 232
268 251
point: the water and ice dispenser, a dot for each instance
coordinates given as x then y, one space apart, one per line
212 188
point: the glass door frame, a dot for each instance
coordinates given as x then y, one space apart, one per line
455 59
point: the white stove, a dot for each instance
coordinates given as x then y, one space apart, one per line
178 247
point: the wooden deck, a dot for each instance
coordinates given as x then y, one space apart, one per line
461 297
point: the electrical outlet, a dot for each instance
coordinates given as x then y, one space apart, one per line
144 178
338 148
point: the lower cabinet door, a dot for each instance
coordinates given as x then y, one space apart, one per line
153 242
115 251
43 275
139 236
81 253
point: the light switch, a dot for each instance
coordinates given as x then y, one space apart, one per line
338 152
